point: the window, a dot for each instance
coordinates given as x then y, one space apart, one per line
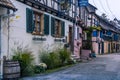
37 23
108 32
57 28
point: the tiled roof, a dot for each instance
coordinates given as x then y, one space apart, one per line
104 24
7 4
91 8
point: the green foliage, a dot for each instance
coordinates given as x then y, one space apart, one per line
89 36
56 62
25 58
95 28
90 30
45 58
51 59
88 44
70 61
55 59
64 55
39 69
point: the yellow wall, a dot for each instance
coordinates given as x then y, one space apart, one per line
95 47
106 47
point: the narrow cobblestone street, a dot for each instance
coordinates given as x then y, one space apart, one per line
104 67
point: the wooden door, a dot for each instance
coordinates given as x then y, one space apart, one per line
70 38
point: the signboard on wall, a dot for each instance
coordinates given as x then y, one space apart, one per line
82 3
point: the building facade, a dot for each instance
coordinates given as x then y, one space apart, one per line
42 25
99 33
46 25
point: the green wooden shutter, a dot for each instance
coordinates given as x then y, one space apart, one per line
46 24
52 26
62 28
29 20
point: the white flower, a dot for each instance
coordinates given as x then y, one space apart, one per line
42 65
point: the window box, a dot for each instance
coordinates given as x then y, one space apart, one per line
38 33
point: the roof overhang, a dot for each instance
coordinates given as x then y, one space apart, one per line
7 4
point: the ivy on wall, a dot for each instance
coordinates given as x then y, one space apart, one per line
88 43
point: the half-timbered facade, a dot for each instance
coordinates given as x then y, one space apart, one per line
103 35
43 25
110 37
87 20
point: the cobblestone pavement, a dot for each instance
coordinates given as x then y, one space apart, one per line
104 67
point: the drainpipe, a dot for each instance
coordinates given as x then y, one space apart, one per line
8 54
1 66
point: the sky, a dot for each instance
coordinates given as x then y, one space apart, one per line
110 7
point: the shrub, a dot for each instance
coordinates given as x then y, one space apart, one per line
56 61
52 59
71 61
25 58
64 55
45 58
40 68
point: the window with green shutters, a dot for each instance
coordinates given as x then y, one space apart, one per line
46 24
37 23
52 26
29 20
62 28
57 28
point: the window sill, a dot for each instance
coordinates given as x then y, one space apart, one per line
56 36
38 33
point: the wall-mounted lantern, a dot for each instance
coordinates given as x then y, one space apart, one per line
65 5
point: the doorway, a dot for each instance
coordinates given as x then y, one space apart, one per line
108 47
102 47
70 38
99 48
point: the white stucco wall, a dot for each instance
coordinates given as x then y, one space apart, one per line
18 34
3 13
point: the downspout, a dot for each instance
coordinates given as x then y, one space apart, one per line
1 66
8 13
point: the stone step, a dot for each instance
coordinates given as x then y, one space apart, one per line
74 57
